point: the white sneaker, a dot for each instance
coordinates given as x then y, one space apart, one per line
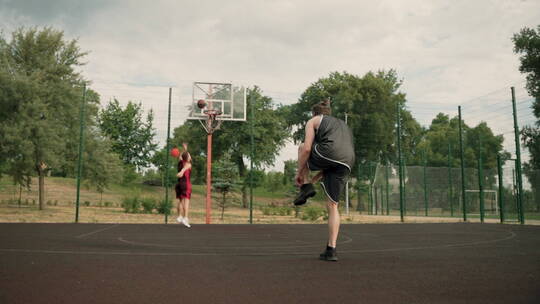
185 221
180 219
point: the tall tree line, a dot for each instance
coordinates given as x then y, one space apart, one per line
527 45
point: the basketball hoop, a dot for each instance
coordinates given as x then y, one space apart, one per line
212 124
214 103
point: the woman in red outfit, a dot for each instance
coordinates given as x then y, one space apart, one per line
183 187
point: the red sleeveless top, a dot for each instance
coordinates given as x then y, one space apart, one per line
184 182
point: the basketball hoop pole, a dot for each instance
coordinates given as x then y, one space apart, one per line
208 177
209 123
216 102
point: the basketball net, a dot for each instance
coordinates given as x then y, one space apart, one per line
212 124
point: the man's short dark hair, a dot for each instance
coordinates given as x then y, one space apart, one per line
322 107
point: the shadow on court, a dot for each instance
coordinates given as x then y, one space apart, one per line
385 263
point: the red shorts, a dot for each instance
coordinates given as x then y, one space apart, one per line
183 190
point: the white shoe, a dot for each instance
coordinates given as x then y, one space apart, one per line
185 221
180 219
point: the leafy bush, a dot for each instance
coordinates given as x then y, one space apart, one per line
148 204
131 204
86 203
108 204
164 207
313 213
276 210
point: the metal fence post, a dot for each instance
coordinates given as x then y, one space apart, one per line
359 201
501 192
81 150
450 194
252 108
404 166
425 186
387 191
462 167
519 180
167 165
480 180
400 160
371 181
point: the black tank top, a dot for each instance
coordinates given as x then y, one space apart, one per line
334 140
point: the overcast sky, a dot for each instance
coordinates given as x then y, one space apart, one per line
447 52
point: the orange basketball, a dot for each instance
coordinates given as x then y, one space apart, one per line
175 152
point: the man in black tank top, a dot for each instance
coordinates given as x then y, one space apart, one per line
327 148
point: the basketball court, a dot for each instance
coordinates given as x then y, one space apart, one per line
384 263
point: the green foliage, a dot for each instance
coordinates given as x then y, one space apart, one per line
132 138
443 131
40 93
225 181
160 157
256 177
274 181
129 174
289 171
148 204
313 213
276 210
131 204
370 102
100 166
153 177
527 44
164 207
40 100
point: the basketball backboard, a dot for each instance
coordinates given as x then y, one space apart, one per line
227 98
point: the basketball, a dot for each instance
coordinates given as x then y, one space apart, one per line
175 152
201 103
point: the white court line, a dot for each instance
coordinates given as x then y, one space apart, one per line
129 253
348 240
94 232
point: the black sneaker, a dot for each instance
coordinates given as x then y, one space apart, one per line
329 254
306 191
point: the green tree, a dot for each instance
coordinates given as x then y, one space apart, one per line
132 138
274 181
289 171
225 180
101 167
444 131
270 133
527 44
370 102
39 101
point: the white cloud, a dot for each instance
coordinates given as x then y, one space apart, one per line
447 52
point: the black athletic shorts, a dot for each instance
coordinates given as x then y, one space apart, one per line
335 174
